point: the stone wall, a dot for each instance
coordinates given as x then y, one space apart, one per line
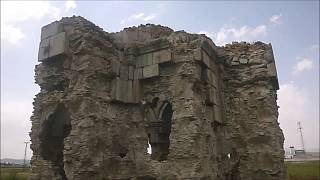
208 112
252 112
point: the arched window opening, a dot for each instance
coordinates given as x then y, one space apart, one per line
52 135
159 132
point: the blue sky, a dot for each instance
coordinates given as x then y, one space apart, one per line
292 27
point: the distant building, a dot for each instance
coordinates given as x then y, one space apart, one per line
299 152
292 151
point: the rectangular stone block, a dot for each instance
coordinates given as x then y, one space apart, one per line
150 71
165 56
124 72
123 91
136 91
57 44
51 30
52 46
144 60
119 90
137 73
139 61
217 114
209 98
115 67
156 57
216 96
162 56
148 59
130 72
114 88
130 98
44 50
154 45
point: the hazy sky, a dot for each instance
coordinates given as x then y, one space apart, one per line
291 26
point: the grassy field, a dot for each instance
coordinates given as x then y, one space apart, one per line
14 173
303 170
296 171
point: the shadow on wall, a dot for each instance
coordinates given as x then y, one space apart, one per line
54 130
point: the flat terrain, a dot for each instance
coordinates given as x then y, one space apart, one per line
306 170
14 173
303 170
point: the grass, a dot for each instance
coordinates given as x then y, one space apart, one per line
307 170
14 173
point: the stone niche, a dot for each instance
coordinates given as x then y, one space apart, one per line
207 112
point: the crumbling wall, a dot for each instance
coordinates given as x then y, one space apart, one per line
105 96
252 112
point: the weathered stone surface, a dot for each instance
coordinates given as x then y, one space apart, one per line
163 56
52 46
57 44
124 72
44 49
51 30
150 71
130 72
138 73
208 112
115 66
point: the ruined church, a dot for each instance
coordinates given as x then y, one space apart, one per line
207 112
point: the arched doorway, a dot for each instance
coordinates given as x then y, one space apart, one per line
55 128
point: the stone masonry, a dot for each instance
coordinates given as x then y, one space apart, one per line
208 112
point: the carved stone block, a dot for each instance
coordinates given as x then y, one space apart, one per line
150 71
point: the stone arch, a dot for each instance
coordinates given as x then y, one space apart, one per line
159 132
54 129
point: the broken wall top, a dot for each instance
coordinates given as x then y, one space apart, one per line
137 44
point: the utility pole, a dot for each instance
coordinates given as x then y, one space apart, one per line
300 129
25 154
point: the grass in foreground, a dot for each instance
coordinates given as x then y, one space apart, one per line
14 173
307 170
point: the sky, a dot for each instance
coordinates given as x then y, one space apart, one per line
292 27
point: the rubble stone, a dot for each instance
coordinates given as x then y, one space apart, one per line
208 112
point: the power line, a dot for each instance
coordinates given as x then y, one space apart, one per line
300 129
25 153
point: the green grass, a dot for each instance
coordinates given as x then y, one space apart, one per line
295 171
14 173
303 170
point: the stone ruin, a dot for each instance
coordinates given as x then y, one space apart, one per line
208 112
